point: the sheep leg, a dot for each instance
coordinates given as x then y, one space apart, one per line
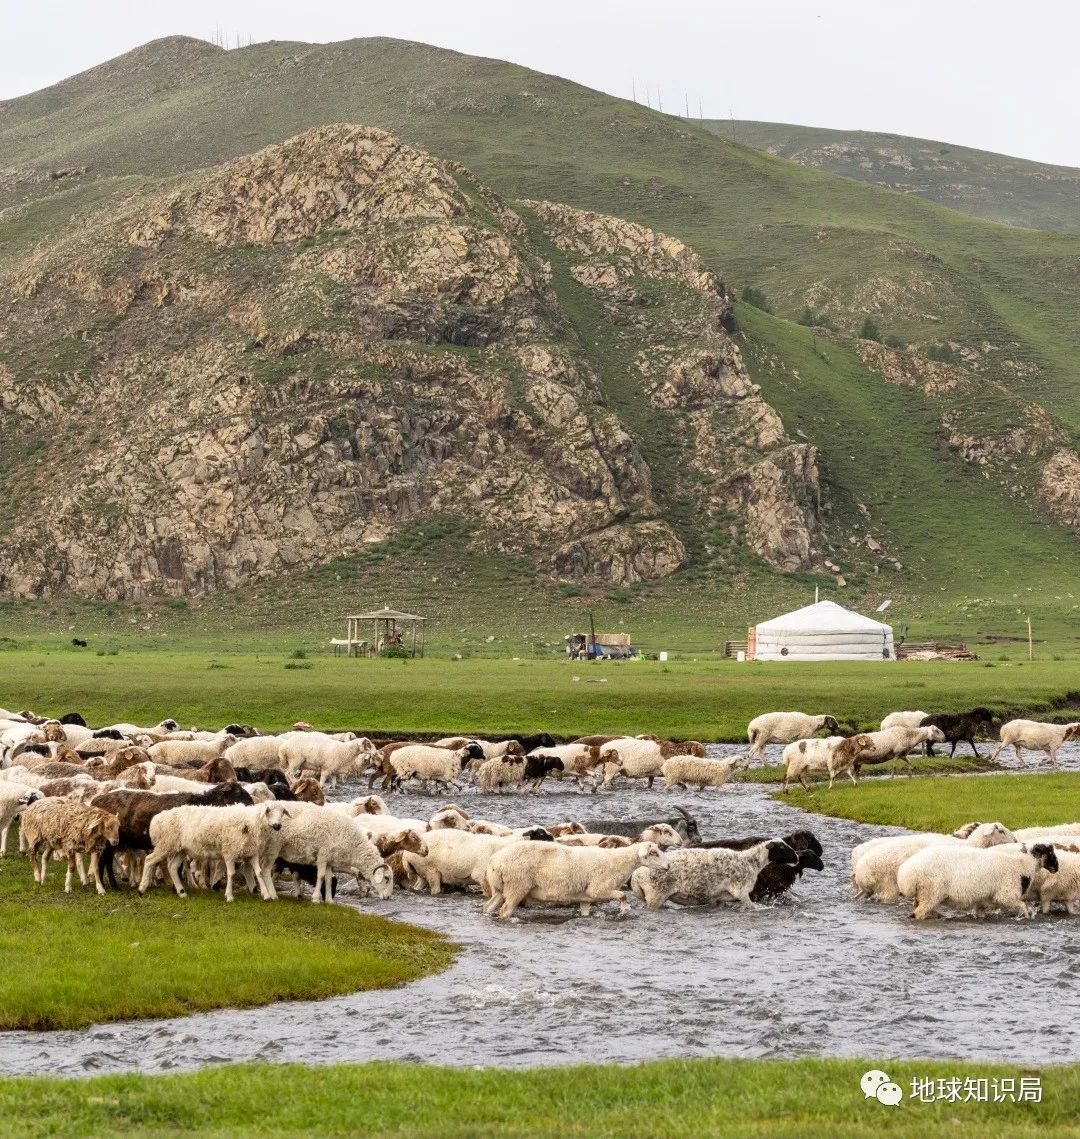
1019 755
230 873
265 880
952 750
81 868
70 871
854 778
3 838
95 872
173 867
974 748
511 900
994 753
1052 752
495 902
804 781
320 874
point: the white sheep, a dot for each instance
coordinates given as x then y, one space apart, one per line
329 841
493 775
897 742
336 759
231 834
1036 736
973 880
902 720
14 797
689 771
256 753
639 758
785 728
579 760
455 858
1047 834
698 877
1061 886
190 753
875 864
173 783
552 872
424 763
834 754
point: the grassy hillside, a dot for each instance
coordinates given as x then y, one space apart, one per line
973 558
978 182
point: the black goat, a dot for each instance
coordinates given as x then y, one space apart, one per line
958 727
73 718
528 743
685 824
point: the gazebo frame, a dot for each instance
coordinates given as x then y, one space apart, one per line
385 624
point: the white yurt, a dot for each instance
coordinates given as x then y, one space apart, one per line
822 631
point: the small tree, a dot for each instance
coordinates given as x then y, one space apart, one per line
755 297
869 330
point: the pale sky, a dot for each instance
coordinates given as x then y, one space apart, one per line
982 73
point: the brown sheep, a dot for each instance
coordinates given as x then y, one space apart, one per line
215 771
388 844
119 760
70 830
308 791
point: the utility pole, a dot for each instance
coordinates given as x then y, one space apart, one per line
633 89
660 100
687 98
699 114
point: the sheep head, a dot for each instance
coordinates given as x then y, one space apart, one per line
663 834
649 854
779 851
1046 855
54 732
571 827
1072 732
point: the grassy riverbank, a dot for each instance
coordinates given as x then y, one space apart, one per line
717 1098
77 959
928 805
709 700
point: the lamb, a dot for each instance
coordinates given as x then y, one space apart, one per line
958 727
875 865
785 728
70 830
231 834
684 823
537 769
431 764
1036 736
190 752
14 799
503 771
643 759
689 771
973 880
835 754
460 858
552 872
709 876
329 841
161 728
777 878
902 720
328 757
896 743
118 761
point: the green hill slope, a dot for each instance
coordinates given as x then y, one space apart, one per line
996 187
996 304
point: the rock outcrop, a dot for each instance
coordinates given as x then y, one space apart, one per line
280 361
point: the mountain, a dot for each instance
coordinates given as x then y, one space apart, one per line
911 368
287 358
1013 191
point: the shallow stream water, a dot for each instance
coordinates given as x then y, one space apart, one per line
813 973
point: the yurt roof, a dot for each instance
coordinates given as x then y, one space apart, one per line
822 616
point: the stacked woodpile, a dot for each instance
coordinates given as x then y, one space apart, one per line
934 650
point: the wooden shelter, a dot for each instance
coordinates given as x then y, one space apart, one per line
387 627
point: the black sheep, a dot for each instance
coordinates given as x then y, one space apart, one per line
777 878
528 743
538 768
957 727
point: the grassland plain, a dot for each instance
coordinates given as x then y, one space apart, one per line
725 1099
1043 799
72 960
711 700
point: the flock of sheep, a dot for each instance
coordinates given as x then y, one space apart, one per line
197 808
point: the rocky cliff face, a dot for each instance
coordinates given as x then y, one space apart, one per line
1014 442
281 360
